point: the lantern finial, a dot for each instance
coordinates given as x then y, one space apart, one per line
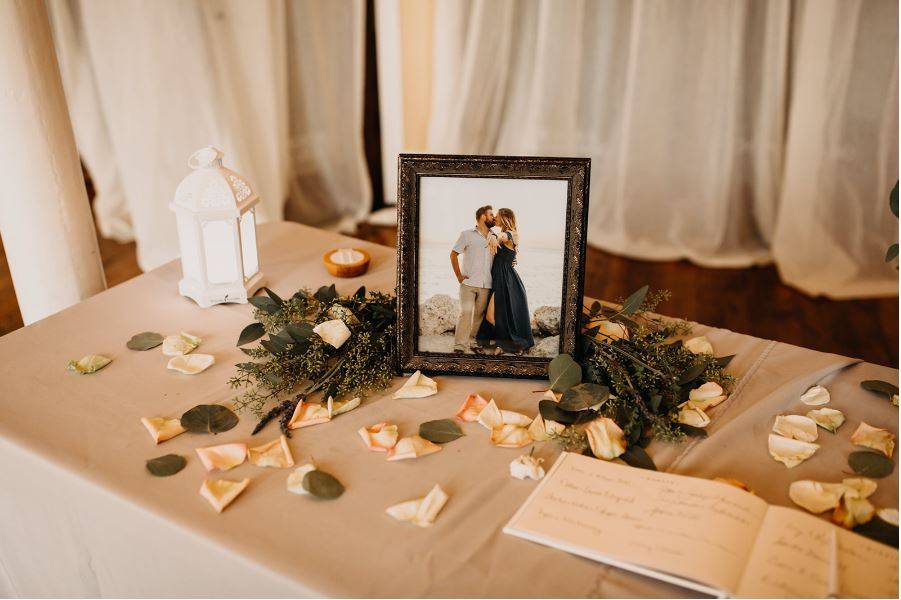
206 157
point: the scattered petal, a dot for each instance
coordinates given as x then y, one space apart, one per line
381 437
275 454
814 496
89 364
417 386
421 512
490 418
509 417
551 395
181 344
605 438
191 364
333 333
698 345
221 492
344 406
223 456
295 479
706 396
609 330
309 413
853 512
790 452
161 428
510 436
337 311
796 427
691 416
859 487
471 407
889 515
412 447
733 482
895 402
827 418
816 396
527 467
875 438
538 431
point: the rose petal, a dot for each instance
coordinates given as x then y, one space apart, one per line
295 479
790 452
471 407
814 496
827 418
417 386
605 438
221 492
381 437
89 364
694 417
422 511
345 406
161 428
852 512
859 487
181 344
875 438
889 515
276 454
490 418
527 467
816 396
609 330
796 427
510 436
412 447
698 345
706 396
191 364
552 395
509 417
333 333
223 456
309 413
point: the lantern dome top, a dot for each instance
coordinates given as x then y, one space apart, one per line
212 187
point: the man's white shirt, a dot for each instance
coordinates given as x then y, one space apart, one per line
477 259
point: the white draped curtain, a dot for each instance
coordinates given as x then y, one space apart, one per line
276 84
728 132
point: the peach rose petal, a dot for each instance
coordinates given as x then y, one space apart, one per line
796 427
790 452
417 386
380 437
605 438
490 418
222 457
295 479
161 428
275 454
310 413
816 396
706 396
344 406
471 407
510 436
875 438
421 512
412 447
191 364
222 492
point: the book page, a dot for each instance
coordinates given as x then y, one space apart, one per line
694 529
793 558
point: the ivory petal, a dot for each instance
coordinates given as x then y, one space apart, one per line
605 438
222 492
527 467
889 515
404 511
430 506
222 457
509 417
309 413
412 447
852 512
875 438
827 418
417 386
275 454
816 396
796 427
191 364
161 428
471 407
814 496
510 436
538 430
790 452
334 332
706 396
689 415
490 418
179 345
858 487
344 406
698 345
380 437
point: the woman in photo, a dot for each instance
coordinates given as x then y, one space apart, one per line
507 320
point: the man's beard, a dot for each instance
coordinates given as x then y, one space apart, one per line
489 222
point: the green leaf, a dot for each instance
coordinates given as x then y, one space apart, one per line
209 418
251 333
144 341
300 332
551 411
300 295
164 466
265 304
583 396
88 364
693 373
879 530
655 401
440 431
361 293
595 308
275 297
246 351
692 431
563 373
634 302
322 485
871 464
326 294
880 387
892 253
893 200
635 456
723 361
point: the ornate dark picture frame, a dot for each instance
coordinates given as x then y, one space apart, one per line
411 168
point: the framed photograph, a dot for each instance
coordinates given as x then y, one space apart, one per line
490 262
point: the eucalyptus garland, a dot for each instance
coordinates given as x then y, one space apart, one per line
631 371
292 363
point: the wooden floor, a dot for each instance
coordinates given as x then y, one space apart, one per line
751 301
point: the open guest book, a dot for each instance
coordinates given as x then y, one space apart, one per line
701 534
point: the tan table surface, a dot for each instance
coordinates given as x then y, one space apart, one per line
88 427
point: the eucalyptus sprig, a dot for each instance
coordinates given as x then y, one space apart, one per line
293 364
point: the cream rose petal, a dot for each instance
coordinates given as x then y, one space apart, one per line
796 427
412 447
334 332
814 496
343 406
295 479
161 428
610 330
706 396
889 515
852 512
181 344
827 418
859 487
309 413
471 407
875 438
221 492
551 395
694 417
275 454
605 438
527 467
509 417
404 511
338 311
191 364
421 512
816 396
380 437
698 345
790 452
538 430
490 418
222 457
89 364
417 386
510 436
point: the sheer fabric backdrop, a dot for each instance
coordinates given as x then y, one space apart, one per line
731 133
276 84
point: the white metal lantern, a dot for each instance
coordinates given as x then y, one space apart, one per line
214 208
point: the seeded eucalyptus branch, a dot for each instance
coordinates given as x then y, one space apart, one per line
293 364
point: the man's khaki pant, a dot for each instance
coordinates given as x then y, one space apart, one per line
473 303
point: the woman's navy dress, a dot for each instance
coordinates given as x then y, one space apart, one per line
512 327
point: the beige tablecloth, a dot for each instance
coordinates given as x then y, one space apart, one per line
79 515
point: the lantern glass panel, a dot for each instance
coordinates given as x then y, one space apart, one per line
190 256
219 251
249 245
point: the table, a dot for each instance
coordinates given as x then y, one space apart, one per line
80 516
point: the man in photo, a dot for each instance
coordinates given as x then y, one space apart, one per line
478 249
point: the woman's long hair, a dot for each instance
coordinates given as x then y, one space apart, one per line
507 222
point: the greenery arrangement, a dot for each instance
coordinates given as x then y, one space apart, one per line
293 360
631 372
